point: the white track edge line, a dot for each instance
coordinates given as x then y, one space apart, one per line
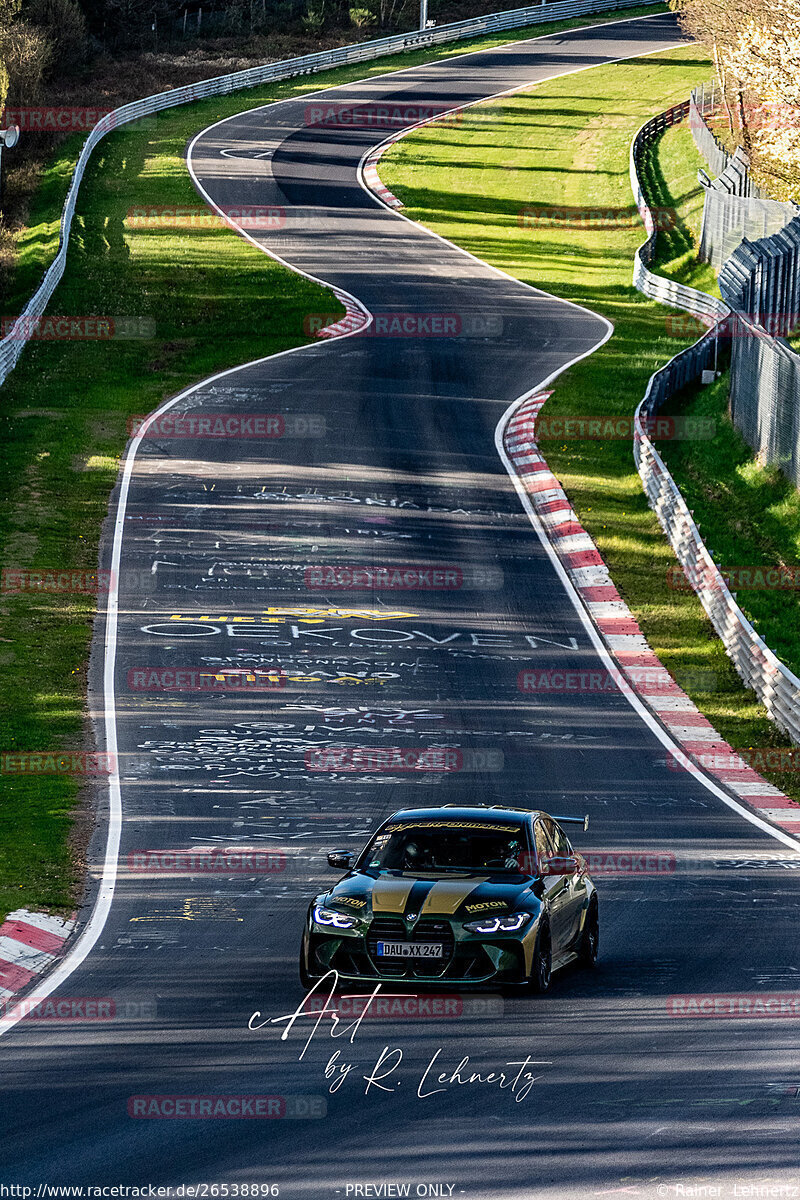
102 906
636 703
540 37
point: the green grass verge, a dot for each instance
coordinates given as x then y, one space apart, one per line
749 515
669 173
37 244
216 302
558 155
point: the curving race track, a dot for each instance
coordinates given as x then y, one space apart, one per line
388 457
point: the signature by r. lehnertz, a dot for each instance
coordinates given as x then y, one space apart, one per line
385 1072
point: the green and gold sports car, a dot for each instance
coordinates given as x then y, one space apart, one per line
457 896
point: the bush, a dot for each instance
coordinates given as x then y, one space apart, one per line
362 18
26 53
64 23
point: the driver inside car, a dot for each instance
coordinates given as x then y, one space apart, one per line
417 857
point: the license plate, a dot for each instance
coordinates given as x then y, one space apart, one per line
410 950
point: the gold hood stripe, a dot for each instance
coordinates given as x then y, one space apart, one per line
391 895
446 897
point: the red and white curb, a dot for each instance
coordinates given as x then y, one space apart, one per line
647 677
355 318
371 177
30 942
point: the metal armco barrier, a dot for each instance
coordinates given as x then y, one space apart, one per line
776 686
12 345
761 283
658 287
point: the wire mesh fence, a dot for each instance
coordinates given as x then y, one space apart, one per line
733 206
761 283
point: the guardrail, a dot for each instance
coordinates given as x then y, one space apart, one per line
658 287
12 345
776 686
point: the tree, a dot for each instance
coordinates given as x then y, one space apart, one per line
766 58
25 55
755 45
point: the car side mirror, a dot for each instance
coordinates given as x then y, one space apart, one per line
341 860
559 864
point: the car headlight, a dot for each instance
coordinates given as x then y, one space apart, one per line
329 916
509 924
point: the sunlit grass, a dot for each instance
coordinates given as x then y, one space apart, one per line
748 515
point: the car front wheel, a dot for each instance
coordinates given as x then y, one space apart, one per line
305 979
542 965
590 938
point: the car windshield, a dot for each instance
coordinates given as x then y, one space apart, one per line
444 846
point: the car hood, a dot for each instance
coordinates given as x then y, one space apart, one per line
463 897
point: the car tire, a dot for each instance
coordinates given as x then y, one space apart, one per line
590 938
542 965
306 981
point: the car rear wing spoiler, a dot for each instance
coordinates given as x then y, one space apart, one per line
584 821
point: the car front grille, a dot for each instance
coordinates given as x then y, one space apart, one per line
427 929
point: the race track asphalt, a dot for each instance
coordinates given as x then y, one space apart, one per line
386 458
